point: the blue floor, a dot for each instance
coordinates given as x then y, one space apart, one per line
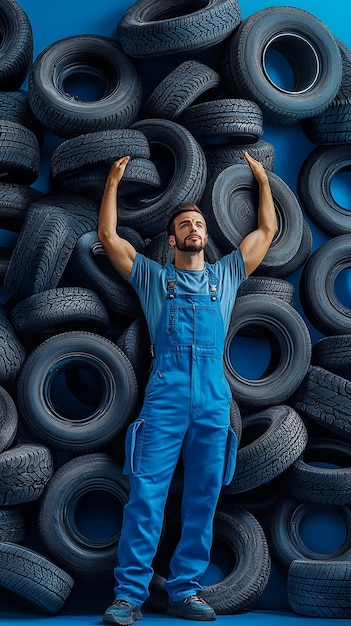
252 618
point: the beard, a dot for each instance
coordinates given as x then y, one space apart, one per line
185 246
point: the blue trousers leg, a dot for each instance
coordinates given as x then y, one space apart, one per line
202 483
143 514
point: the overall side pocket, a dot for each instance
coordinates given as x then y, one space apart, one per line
230 456
133 447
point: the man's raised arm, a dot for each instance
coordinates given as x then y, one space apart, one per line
120 252
255 245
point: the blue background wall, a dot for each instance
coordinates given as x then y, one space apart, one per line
56 19
63 18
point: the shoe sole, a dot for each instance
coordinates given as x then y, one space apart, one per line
109 618
197 618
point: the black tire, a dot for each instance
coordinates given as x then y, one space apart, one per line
95 480
314 188
235 420
90 266
333 353
68 116
49 233
271 441
140 177
99 148
13 526
14 107
290 350
5 255
19 153
325 398
59 309
180 88
310 50
219 156
212 252
320 589
15 200
333 125
148 29
238 533
258 500
34 578
277 287
55 415
323 472
12 354
159 249
25 471
230 205
317 286
287 543
241 120
299 259
136 345
16 45
8 420
182 166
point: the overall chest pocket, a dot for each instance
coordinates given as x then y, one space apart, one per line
192 325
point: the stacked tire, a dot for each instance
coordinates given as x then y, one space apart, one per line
73 340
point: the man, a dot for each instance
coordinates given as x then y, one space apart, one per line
187 399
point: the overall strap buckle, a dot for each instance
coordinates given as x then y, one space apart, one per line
212 282
171 280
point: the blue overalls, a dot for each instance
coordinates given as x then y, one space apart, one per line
187 402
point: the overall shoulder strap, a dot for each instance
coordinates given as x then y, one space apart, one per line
171 280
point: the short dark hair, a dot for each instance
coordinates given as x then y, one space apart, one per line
182 207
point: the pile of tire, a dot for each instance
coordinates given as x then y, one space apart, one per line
74 345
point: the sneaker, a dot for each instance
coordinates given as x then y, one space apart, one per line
122 612
192 607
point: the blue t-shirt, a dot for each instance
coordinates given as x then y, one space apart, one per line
149 280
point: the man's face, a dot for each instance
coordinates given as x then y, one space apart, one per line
190 232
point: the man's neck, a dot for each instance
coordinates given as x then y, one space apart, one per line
189 261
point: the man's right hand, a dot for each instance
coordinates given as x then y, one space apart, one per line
117 169
120 252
